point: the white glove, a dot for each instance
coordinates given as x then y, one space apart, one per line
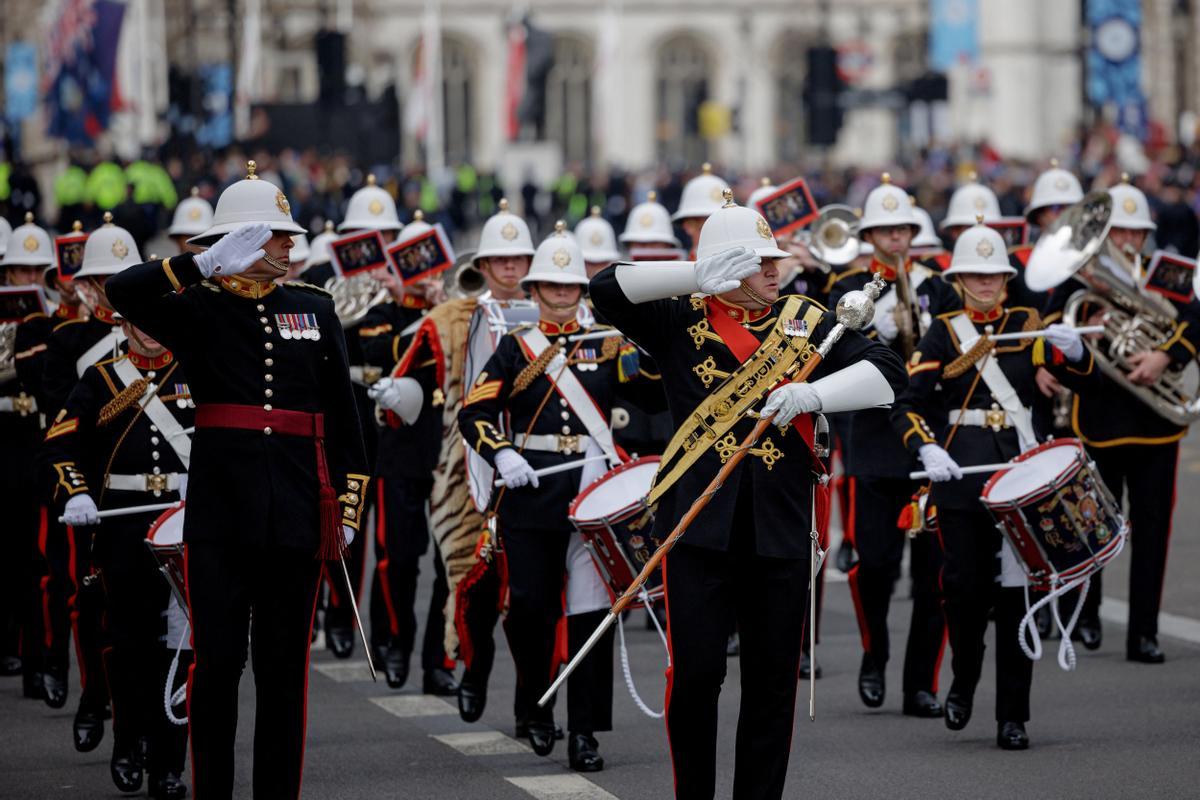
724 271
791 400
235 252
401 396
81 510
183 486
348 532
514 469
1066 339
886 327
938 463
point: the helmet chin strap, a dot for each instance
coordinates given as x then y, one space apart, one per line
139 346
755 296
276 264
556 306
980 303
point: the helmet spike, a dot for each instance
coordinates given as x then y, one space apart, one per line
108 218
706 168
76 227
886 178
595 211
28 217
503 205
728 195
418 216
251 166
651 196
371 179
560 228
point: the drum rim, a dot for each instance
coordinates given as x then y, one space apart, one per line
623 467
159 521
1046 489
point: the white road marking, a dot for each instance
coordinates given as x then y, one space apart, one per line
414 705
482 743
344 671
561 787
1173 625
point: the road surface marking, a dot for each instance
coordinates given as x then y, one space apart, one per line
414 705
482 743
561 787
1173 625
345 671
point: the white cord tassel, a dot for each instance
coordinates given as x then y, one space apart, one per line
172 699
633 692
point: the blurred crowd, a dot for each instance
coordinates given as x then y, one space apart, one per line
142 194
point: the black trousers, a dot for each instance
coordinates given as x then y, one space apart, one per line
56 589
401 541
86 607
267 597
971 591
590 686
707 593
880 545
1145 476
168 745
135 598
536 576
338 612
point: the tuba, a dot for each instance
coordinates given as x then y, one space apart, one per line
465 280
831 236
1135 320
353 297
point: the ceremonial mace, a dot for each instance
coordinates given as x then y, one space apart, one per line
854 311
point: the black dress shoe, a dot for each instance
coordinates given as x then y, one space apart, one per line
1012 736
583 753
395 667
1088 631
472 700
88 729
340 641
11 665
439 682
54 690
922 704
541 737
126 772
167 786
1144 650
845 556
31 685
733 647
806 668
871 685
958 710
1044 622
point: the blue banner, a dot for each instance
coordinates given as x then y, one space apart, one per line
216 127
1114 61
20 81
953 33
81 57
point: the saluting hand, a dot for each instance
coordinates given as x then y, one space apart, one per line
81 510
725 271
235 252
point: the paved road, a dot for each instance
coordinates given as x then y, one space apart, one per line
1109 730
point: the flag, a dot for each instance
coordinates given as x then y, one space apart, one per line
514 86
605 72
423 112
248 68
79 86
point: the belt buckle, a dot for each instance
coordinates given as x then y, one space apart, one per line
156 483
23 404
995 418
568 444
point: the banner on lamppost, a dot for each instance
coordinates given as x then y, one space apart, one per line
20 81
953 33
1114 62
81 55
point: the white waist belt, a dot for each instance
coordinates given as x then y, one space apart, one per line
994 418
567 444
144 483
22 404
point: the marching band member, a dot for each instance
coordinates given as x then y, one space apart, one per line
280 475
1135 449
192 217
969 201
316 269
986 398
879 465
403 482
543 401
702 196
742 561
120 441
438 369
648 227
598 242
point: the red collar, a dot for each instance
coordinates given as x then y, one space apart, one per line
887 270
145 363
997 311
413 301
736 312
554 329
244 287
65 311
105 315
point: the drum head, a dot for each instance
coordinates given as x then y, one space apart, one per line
618 489
1033 471
168 528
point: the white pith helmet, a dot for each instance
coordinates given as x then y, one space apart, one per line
28 246
927 236
318 248
109 249
300 249
1054 187
649 223
504 234
249 200
702 195
737 226
193 216
980 250
887 205
597 239
765 189
1130 209
371 209
417 227
969 201
5 232
558 260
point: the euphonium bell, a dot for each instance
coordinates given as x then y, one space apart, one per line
465 280
831 236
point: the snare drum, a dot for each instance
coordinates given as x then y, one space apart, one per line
165 541
1060 518
616 524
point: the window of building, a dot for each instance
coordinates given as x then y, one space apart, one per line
790 66
682 84
569 98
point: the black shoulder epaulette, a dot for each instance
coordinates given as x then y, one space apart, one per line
308 287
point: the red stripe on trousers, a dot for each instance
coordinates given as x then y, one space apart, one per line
384 562
73 604
44 583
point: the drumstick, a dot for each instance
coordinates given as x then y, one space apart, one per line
124 512
608 333
567 467
1005 337
975 470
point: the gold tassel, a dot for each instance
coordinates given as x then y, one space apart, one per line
958 366
127 397
527 376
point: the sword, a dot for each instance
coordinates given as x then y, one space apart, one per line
854 312
357 619
816 559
